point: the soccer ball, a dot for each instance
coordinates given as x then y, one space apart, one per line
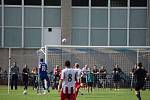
25 92
64 40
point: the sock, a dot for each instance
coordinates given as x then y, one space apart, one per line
138 96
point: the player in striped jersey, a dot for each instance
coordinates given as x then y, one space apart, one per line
67 83
78 82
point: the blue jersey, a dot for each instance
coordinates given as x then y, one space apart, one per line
43 69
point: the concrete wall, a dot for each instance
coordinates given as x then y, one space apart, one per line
21 56
66 20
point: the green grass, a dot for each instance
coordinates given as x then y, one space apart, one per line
98 94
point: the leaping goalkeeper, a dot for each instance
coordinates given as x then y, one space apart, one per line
43 75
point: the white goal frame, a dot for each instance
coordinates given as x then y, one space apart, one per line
137 48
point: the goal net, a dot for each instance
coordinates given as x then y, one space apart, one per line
124 57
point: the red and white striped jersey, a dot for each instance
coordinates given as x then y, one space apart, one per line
78 71
68 77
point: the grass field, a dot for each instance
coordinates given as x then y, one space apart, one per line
98 94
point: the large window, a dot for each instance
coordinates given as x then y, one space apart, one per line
99 18
12 2
138 18
12 16
32 2
28 37
99 37
80 2
118 18
79 37
99 3
32 17
80 17
118 37
52 17
137 37
12 37
118 3
52 2
138 3
0 16
0 37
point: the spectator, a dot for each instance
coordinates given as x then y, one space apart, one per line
95 74
57 72
14 75
132 75
116 77
25 78
34 77
103 76
1 71
89 80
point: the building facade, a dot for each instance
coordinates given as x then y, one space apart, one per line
30 24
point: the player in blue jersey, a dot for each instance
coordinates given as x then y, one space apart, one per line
43 75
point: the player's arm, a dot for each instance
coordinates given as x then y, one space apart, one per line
146 75
46 68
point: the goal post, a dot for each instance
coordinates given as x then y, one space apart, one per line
124 56
59 53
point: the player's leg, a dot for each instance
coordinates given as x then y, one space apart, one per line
25 81
137 93
48 83
132 79
72 96
77 86
91 86
115 85
63 96
26 85
16 81
12 82
88 86
138 86
118 85
43 83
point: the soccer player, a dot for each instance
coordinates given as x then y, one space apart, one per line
78 82
25 78
67 83
140 76
43 75
90 80
83 76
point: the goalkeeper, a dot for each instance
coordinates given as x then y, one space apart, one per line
43 75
